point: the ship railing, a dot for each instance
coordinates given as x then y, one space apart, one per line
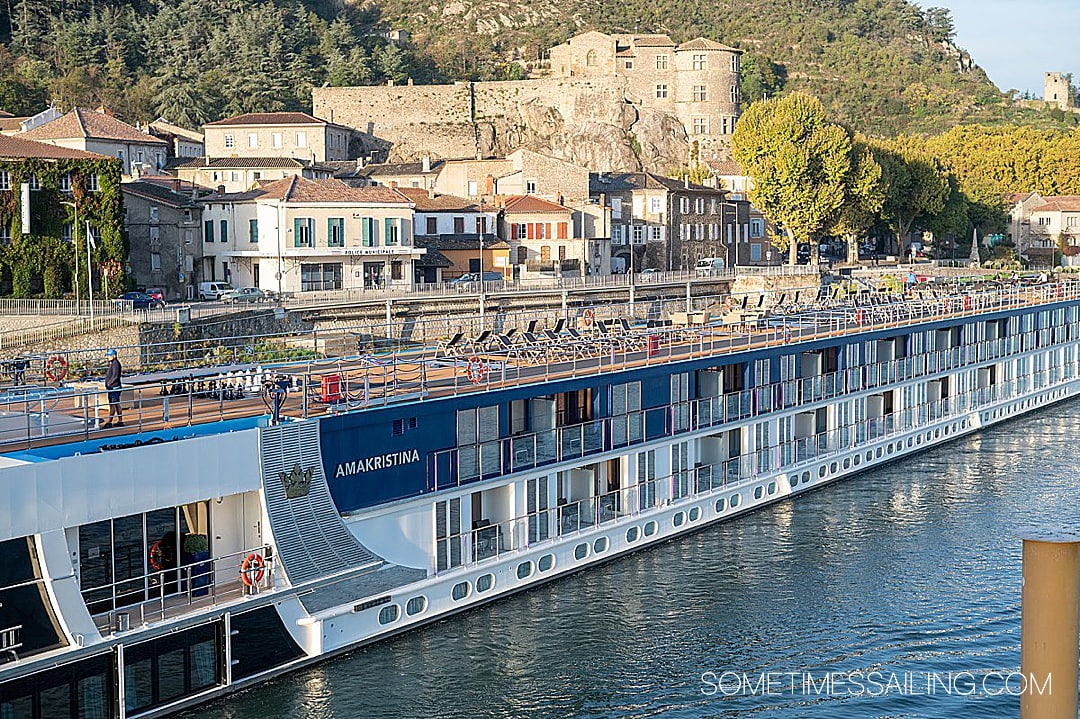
166 593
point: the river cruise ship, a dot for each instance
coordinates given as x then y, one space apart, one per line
249 519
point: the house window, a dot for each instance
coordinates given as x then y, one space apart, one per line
661 62
335 232
301 139
735 63
35 183
656 205
153 213
459 225
472 188
392 230
638 234
256 175
5 180
65 232
755 251
234 176
656 233
699 62
253 140
187 236
432 225
661 91
757 228
230 141
530 187
396 270
155 262
224 231
65 183
562 253
629 64
522 231
700 125
545 253
684 205
1073 221
367 231
303 232
590 59
726 126
253 230
208 231
275 139
5 233
734 94
700 95
320 276
699 205
616 234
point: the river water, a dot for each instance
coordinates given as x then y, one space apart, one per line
904 582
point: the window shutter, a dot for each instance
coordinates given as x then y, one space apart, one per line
365 231
386 230
296 231
208 231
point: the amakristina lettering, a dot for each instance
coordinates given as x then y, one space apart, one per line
379 461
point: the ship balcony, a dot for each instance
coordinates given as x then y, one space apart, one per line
173 592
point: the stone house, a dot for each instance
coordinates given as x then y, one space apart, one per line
277 134
164 224
139 153
420 174
49 195
298 235
522 172
1054 219
551 238
182 141
454 227
1019 230
670 224
239 174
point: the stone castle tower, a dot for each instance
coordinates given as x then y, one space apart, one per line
1057 90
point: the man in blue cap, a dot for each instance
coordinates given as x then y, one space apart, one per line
112 385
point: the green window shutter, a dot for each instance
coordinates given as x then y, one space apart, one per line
296 232
386 231
365 231
253 230
208 231
331 240
224 231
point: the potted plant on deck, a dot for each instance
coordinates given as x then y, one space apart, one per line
196 560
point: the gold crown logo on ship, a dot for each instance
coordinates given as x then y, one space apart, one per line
298 482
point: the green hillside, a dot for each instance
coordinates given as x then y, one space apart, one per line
882 66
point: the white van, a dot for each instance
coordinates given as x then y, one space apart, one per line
213 290
709 266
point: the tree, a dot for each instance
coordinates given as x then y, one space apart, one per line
940 22
799 162
915 185
864 194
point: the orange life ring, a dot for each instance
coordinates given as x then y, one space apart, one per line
56 368
475 370
252 569
157 556
588 318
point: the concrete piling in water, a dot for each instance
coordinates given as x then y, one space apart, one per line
1050 624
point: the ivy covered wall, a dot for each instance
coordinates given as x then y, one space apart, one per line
42 263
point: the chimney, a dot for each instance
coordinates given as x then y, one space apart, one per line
431 193
489 185
426 163
221 189
409 82
686 181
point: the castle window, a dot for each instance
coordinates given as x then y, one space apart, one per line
661 62
735 63
590 59
530 187
700 95
699 62
700 126
661 91
734 94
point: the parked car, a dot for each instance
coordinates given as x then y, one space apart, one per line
468 280
709 266
137 301
213 290
157 293
245 294
648 274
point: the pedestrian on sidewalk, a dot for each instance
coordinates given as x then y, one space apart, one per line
112 386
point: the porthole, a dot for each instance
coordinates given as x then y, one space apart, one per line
460 591
772 487
389 614
795 481
805 477
889 449
735 501
678 519
600 545
758 492
650 528
581 551
485 582
869 455
545 562
415 605
833 468
695 514
910 442
856 460
524 570
878 453
632 534
821 471
900 445
918 440
721 505
963 424
937 433
946 430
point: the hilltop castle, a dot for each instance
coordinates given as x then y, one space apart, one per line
1057 90
612 102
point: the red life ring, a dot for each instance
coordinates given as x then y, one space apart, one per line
858 317
252 570
56 368
157 556
967 302
588 318
475 370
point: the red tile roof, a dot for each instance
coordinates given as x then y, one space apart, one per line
529 203
701 43
270 118
439 203
90 124
17 148
652 41
299 189
1061 203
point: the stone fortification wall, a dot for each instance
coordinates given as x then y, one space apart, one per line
588 121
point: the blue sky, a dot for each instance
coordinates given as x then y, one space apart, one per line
1016 41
